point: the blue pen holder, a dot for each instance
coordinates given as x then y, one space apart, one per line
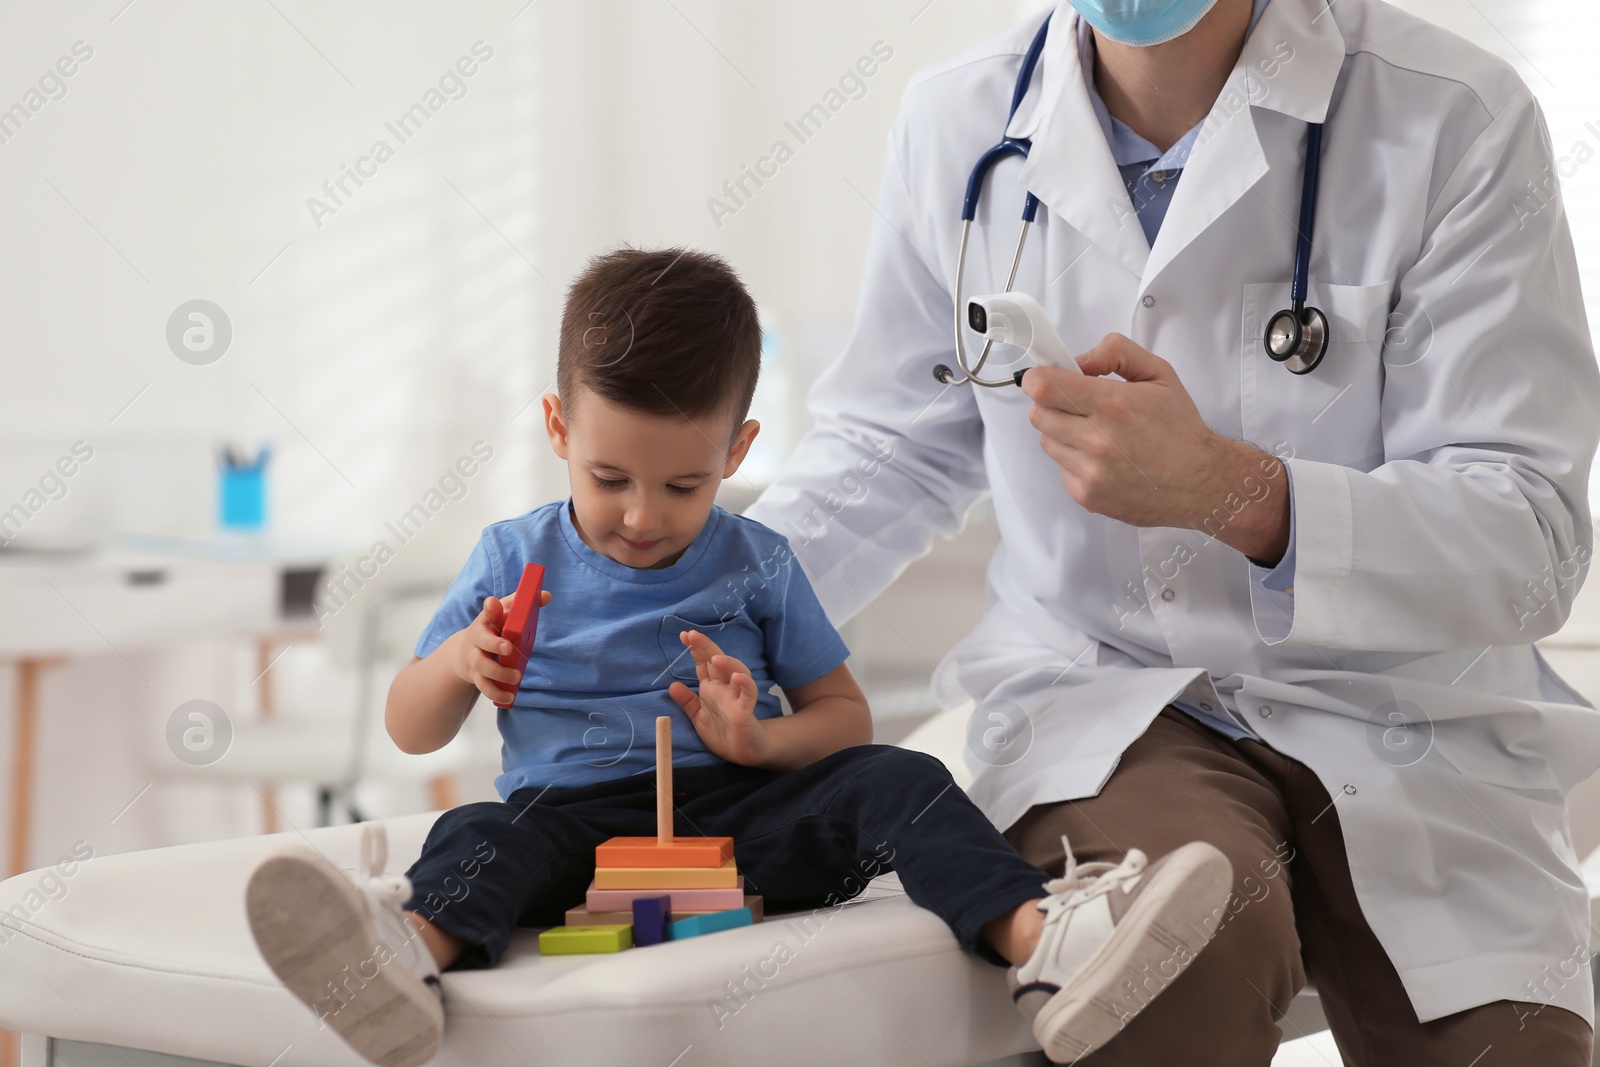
242 495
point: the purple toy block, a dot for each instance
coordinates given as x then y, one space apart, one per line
650 918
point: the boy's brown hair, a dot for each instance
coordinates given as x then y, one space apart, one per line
671 331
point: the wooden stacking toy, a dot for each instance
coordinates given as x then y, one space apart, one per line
652 889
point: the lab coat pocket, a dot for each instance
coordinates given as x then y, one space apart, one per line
736 635
1332 414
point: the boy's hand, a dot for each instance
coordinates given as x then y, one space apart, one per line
723 712
479 644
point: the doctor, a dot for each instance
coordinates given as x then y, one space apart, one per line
1289 614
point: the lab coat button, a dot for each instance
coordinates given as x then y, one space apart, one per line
1148 301
1204 706
1167 594
1349 790
1266 711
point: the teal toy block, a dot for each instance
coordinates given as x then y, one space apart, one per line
709 923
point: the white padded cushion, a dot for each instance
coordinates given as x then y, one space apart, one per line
944 736
151 950
1314 1050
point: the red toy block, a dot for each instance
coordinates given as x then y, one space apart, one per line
520 625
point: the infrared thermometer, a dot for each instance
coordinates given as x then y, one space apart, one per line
1017 319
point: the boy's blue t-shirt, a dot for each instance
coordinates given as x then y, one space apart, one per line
607 646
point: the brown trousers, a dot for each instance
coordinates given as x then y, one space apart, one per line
1293 913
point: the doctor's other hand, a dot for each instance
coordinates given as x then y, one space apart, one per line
479 645
1137 450
723 712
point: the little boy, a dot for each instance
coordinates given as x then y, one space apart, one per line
660 602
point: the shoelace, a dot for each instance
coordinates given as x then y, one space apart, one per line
374 850
392 890
374 855
1085 881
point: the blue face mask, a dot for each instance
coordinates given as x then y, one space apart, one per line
1143 22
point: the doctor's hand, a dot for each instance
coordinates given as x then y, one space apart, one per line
723 712
1137 450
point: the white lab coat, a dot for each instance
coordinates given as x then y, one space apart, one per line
1440 457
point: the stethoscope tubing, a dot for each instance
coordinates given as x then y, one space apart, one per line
1006 148
1308 214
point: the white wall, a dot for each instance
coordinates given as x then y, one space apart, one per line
372 349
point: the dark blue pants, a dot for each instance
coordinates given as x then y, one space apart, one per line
802 839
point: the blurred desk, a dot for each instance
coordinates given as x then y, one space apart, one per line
136 593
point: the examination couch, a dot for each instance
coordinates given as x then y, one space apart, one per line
150 951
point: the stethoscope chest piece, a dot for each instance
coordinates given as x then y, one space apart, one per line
1298 338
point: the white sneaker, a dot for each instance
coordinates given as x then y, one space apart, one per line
1114 936
347 951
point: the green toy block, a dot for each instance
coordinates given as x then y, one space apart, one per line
575 940
709 923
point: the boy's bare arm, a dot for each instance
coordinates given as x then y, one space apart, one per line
830 714
428 702
430 698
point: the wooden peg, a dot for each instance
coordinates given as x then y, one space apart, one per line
664 780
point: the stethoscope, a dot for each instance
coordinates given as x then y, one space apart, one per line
1297 336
